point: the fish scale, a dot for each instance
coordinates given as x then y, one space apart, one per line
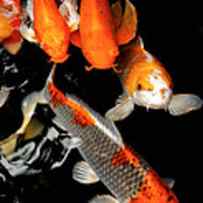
98 149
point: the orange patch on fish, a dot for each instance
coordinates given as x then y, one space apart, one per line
97 33
51 30
153 190
81 116
125 156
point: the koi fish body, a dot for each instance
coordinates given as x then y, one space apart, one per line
51 29
147 83
123 172
97 33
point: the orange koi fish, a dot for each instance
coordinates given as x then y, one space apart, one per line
11 11
128 177
97 33
147 83
100 34
51 30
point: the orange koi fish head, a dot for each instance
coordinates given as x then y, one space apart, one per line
145 78
51 30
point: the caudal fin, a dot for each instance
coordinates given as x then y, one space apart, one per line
127 28
121 110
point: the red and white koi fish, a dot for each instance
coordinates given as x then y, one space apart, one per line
147 83
129 178
10 14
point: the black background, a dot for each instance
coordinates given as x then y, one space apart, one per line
173 32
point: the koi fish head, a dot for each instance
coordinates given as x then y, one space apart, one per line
144 77
156 95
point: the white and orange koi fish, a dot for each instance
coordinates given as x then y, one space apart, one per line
129 178
147 83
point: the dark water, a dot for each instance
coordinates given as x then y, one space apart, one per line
172 145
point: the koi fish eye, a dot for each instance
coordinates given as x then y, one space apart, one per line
156 97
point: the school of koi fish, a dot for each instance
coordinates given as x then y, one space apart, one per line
107 36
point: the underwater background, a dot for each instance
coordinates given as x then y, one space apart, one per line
173 32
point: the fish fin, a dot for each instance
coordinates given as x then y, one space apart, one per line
83 173
184 103
128 26
103 199
75 39
169 182
116 9
124 106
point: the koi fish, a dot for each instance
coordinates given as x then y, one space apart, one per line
129 178
51 30
147 83
11 12
99 35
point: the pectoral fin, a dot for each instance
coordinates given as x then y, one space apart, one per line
184 103
122 109
127 29
103 199
84 174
